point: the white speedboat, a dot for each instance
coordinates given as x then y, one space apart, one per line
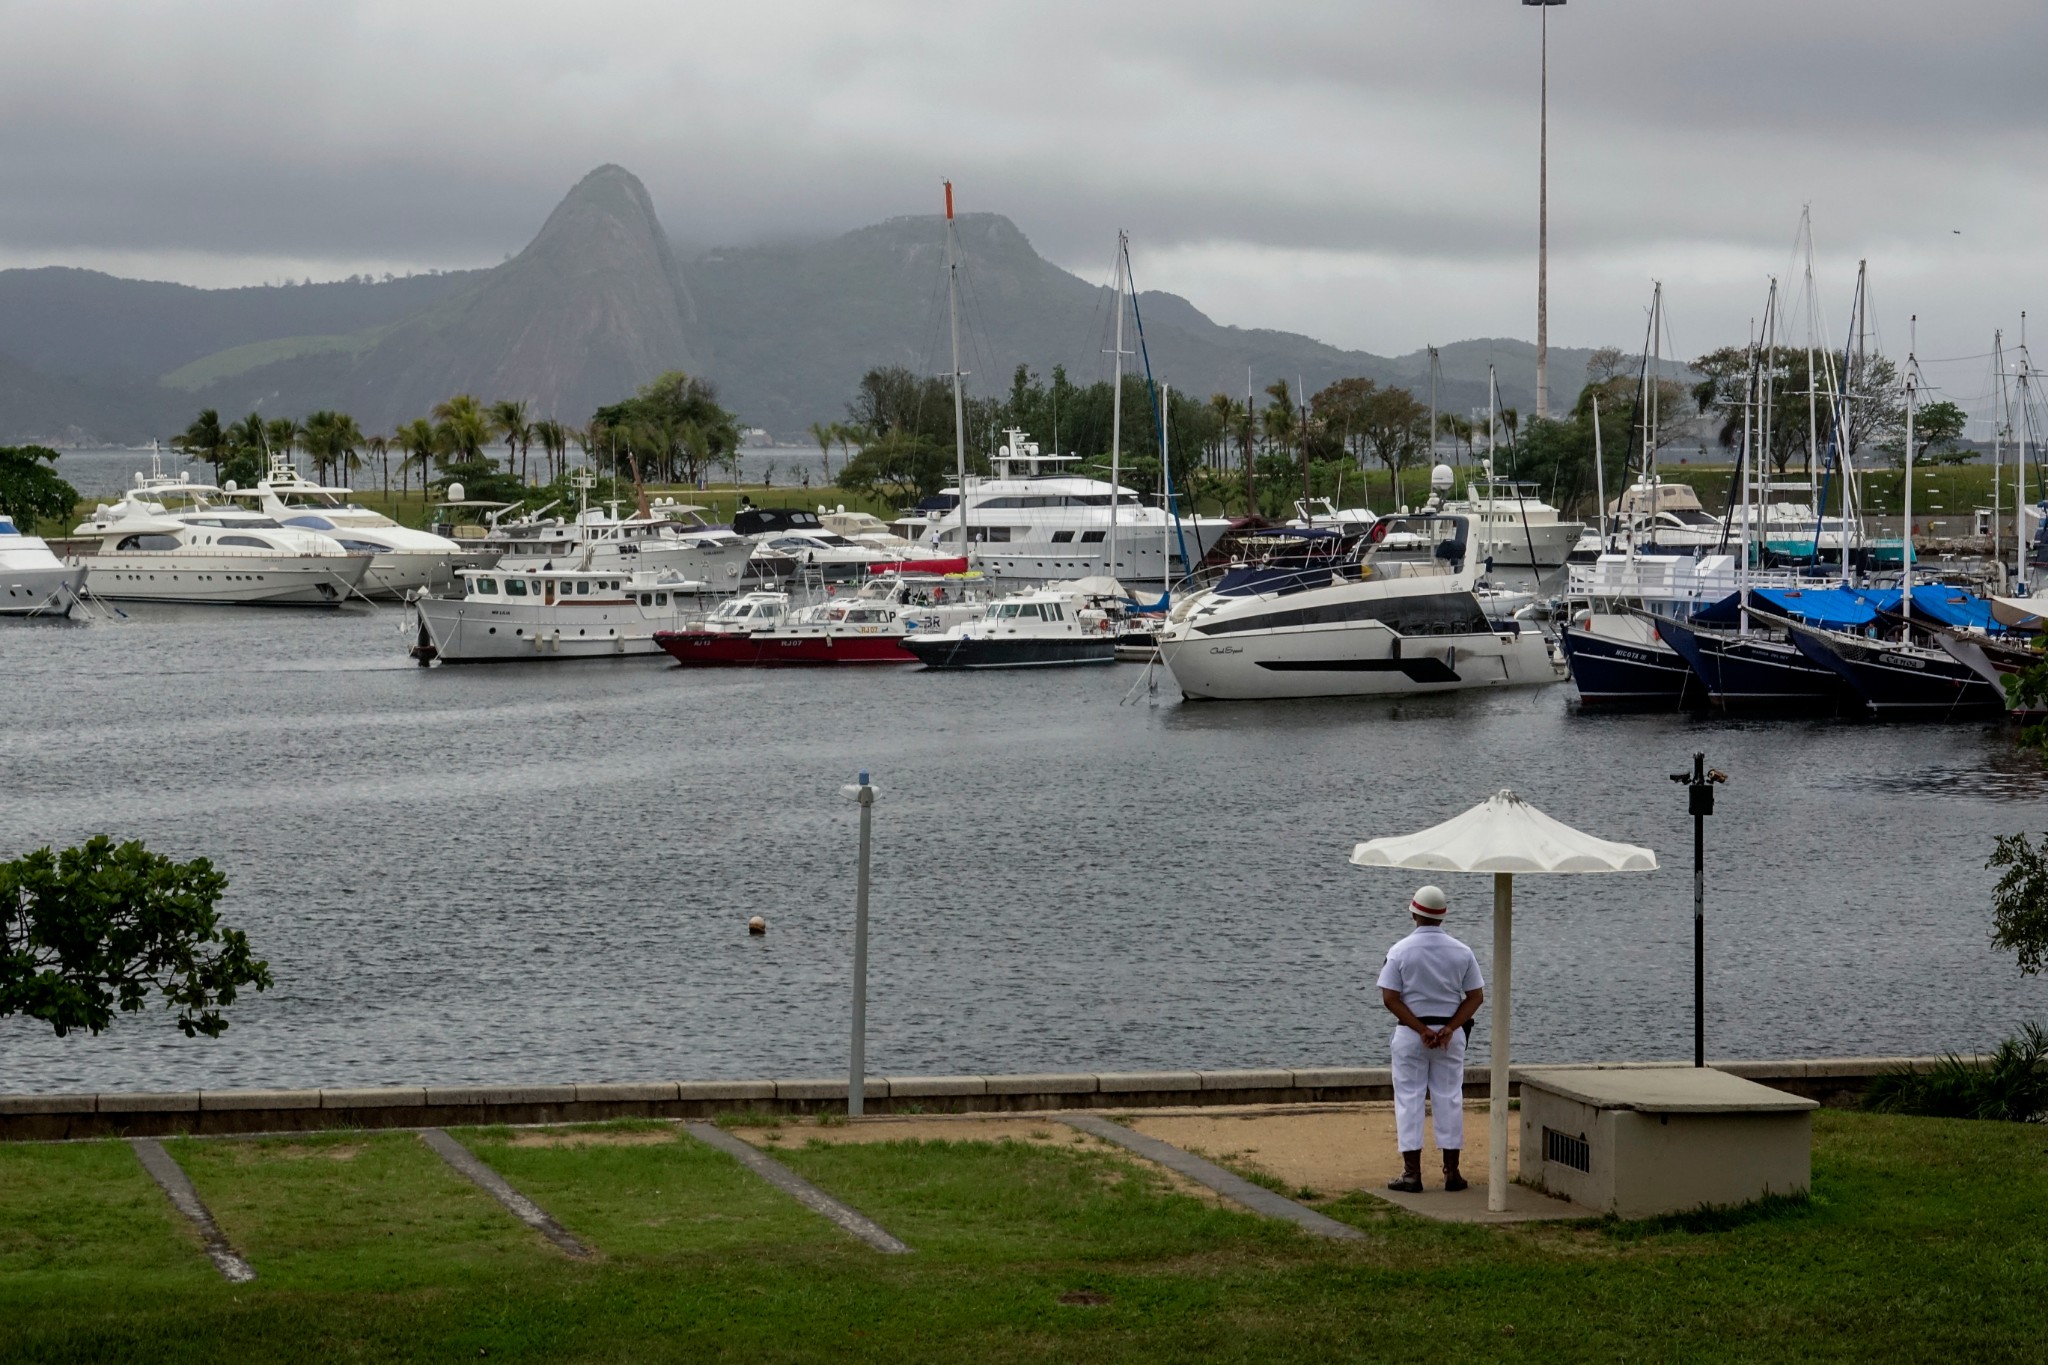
504 615
402 560
33 581
1028 522
1070 623
168 540
1511 523
1403 620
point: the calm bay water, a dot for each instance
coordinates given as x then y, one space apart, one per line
543 872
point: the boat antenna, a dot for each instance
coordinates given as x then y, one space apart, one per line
1116 406
1162 411
959 403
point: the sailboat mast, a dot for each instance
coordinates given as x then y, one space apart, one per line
1116 404
1906 530
1599 478
1998 425
1166 472
959 403
2019 470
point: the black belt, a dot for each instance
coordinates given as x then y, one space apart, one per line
1438 1020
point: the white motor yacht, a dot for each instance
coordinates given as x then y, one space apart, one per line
1511 523
664 536
33 581
1030 522
168 540
1402 620
1665 518
507 614
402 560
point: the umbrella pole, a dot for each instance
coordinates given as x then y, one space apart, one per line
1497 1104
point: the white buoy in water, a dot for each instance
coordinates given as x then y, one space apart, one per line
757 926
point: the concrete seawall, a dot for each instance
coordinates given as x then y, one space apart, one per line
1833 1081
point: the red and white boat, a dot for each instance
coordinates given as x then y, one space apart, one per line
865 627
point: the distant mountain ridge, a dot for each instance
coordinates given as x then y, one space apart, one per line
599 302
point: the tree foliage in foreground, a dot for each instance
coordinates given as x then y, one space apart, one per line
2019 903
30 490
103 927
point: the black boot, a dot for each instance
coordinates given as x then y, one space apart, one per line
1453 1182
1411 1174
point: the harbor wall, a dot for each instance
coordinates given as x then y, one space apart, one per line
1837 1082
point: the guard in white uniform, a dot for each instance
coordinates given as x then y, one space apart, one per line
1431 985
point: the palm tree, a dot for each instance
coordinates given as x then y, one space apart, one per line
280 434
461 429
554 444
825 433
378 448
510 419
204 439
416 439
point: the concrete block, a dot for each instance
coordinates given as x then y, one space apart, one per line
629 1092
1146 1082
917 1087
374 1097
150 1102
501 1094
1045 1083
726 1090
1267 1079
822 1088
48 1104
259 1099
1344 1077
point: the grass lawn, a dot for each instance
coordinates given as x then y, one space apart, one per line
1924 1239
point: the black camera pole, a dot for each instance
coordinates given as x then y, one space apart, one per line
1699 792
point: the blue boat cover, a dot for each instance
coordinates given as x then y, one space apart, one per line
1828 608
1950 606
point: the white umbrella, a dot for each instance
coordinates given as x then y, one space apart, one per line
1503 835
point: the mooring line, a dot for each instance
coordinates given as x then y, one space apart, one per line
796 1187
177 1187
1229 1184
496 1186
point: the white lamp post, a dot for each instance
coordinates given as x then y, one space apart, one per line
857 1059
1502 835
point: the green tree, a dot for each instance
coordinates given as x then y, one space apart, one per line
103 927
510 419
378 448
247 451
2019 903
461 431
898 468
674 425
204 440
416 439
30 491
825 434
1938 430
1395 427
554 445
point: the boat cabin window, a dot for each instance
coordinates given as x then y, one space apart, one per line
583 588
1055 612
533 586
1062 537
661 599
1092 537
486 587
148 543
990 533
515 587
246 542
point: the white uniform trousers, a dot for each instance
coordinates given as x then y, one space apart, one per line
1439 1073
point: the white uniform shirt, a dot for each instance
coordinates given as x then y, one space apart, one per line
1432 972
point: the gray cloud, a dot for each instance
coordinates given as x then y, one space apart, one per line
1362 170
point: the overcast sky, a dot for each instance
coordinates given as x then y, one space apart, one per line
1361 171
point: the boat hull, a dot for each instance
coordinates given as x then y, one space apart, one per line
1618 672
393 574
40 592
1353 661
1552 541
1751 675
222 580
939 651
467 631
1900 681
710 648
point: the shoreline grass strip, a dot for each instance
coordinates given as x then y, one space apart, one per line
1229 1184
177 1187
797 1188
498 1188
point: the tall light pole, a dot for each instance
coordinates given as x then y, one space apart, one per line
1543 217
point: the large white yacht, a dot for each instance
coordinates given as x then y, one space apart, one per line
1511 523
509 614
33 581
1028 521
1655 517
1402 620
169 540
401 559
664 537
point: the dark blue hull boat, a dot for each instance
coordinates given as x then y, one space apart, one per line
1904 682
1750 674
1638 675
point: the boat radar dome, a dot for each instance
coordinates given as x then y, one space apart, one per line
1441 477
456 492
229 486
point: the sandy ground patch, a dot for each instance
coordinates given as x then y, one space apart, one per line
296 1151
1330 1150
634 1137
